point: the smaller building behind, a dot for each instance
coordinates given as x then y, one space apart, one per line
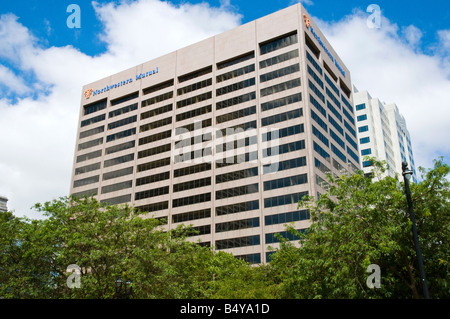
382 133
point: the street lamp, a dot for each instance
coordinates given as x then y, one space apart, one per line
407 173
123 290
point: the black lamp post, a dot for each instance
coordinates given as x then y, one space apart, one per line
407 173
123 290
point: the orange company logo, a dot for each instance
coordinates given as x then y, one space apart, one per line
306 20
88 93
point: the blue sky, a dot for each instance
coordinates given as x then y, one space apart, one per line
47 18
43 65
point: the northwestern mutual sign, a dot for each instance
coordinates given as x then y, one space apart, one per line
92 92
328 52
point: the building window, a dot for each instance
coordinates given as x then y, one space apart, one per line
360 106
367 163
238 242
236 100
123 110
364 140
363 129
284 165
152 178
195 74
86 181
194 87
366 151
278 59
87 168
237 224
277 118
283 199
118 173
281 87
285 182
157 99
281 102
155 137
236 114
321 151
153 207
94 107
319 121
91 132
278 43
157 111
120 135
273 238
320 136
236 175
155 124
195 99
235 73
155 150
237 208
194 113
235 60
157 87
117 200
280 133
279 73
90 144
151 193
125 98
198 214
237 159
287 217
190 200
118 160
192 184
93 120
237 191
192 169
117 187
338 153
122 122
284 148
89 156
361 117
154 164
317 105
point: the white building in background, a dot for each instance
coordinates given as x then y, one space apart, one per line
382 133
3 201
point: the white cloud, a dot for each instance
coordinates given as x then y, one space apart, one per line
12 82
385 62
38 134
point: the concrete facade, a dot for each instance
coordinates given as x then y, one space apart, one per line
382 133
226 134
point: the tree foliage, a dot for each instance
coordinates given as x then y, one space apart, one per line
360 221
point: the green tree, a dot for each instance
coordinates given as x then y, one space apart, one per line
107 242
362 221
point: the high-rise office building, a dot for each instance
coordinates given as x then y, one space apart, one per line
382 133
227 134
